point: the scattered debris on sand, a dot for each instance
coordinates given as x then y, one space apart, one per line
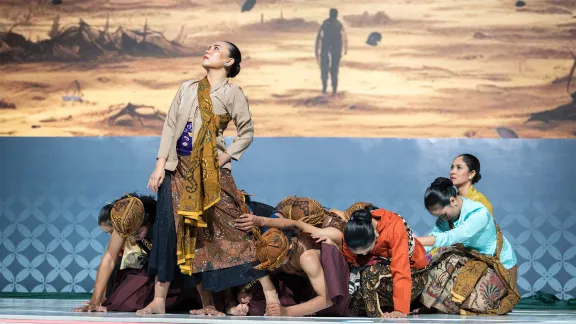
137 112
84 42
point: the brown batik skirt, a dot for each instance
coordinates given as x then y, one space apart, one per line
376 287
225 256
444 269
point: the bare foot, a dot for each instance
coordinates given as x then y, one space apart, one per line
157 306
244 298
237 310
207 311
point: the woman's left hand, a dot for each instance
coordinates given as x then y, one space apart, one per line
323 239
246 222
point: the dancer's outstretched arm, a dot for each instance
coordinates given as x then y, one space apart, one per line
247 221
310 261
103 274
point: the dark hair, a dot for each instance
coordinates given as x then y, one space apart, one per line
371 208
235 54
149 209
333 13
439 193
359 231
104 216
473 164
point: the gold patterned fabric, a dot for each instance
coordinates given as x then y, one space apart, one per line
220 245
476 195
306 210
356 206
127 216
201 184
475 269
271 248
463 281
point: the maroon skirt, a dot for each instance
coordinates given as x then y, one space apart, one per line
133 289
293 290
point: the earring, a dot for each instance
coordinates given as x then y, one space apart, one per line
469 178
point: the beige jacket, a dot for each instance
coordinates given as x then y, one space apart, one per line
226 98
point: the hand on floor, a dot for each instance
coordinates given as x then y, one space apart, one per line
394 314
276 310
88 302
207 311
90 308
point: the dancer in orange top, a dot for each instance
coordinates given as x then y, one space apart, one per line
382 250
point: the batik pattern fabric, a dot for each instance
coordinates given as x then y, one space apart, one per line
335 221
356 206
201 182
375 293
219 245
463 281
355 273
445 267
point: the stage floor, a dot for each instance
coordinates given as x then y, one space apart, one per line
51 311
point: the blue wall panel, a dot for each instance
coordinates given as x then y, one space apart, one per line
52 189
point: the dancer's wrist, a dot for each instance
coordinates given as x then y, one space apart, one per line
94 301
160 163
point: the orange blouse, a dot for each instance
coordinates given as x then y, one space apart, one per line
392 244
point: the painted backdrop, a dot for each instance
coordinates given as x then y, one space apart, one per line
406 68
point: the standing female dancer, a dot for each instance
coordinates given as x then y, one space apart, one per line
198 201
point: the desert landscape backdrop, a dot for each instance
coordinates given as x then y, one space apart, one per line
442 68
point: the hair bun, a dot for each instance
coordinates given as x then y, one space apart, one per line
477 177
442 182
361 216
234 70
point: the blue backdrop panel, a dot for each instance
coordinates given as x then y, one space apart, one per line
52 189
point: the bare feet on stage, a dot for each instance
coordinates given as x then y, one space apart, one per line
207 311
237 309
157 306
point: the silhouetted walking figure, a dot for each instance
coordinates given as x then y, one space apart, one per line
330 42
